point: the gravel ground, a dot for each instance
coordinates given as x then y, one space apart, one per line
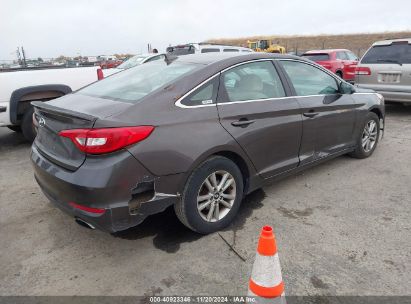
342 228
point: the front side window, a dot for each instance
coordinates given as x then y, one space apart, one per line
251 81
309 80
136 83
230 50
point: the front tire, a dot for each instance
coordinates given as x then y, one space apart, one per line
212 196
368 139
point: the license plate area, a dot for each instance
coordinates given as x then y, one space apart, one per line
389 77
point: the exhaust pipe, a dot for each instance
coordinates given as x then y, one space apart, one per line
84 223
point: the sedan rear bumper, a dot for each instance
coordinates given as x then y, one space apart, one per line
118 186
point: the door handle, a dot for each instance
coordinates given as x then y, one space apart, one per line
310 114
242 123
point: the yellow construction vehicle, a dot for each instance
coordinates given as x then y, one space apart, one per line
266 46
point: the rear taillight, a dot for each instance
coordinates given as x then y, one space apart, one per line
100 74
100 141
362 71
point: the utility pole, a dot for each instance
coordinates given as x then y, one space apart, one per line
19 56
24 57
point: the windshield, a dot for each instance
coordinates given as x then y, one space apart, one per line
135 83
394 53
132 62
317 57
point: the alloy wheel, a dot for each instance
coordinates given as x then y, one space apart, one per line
369 136
216 196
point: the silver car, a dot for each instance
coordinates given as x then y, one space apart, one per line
132 62
386 68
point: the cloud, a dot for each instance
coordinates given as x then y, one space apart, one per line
48 28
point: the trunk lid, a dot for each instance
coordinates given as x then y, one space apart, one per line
72 111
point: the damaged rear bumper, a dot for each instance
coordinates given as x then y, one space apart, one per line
122 190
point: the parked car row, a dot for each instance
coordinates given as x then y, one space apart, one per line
384 68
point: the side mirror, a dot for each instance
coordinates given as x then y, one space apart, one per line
346 88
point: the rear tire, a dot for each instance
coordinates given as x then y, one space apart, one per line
368 138
339 74
211 196
15 128
29 132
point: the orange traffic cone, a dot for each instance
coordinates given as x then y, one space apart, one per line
266 282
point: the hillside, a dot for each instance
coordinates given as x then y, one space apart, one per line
358 43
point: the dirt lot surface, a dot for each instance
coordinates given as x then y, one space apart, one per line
343 228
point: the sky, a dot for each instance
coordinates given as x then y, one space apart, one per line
49 28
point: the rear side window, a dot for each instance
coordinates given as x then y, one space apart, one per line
251 81
309 80
342 56
230 50
317 57
351 56
386 54
202 96
210 50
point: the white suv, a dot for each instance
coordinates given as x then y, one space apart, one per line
386 68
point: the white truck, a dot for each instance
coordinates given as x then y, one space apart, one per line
19 87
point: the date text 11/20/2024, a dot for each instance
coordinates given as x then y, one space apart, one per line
202 299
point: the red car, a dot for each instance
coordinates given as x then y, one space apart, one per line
339 61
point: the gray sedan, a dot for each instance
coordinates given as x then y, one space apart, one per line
198 132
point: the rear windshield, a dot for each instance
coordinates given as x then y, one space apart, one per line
394 53
133 84
317 57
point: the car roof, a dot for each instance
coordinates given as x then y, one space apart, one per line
390 41
210 58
